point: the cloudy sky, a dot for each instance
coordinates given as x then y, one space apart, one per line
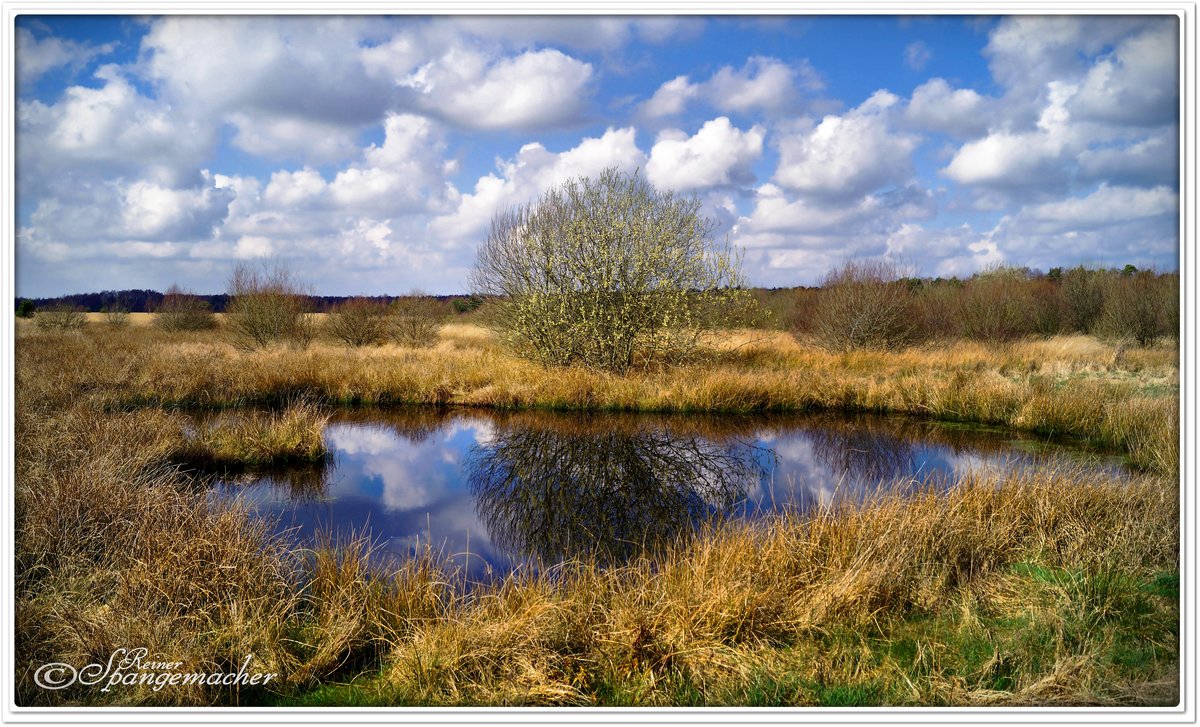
371 153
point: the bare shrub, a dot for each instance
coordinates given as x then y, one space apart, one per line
935 309
116 313
1169 296
997 305
60 317
267 306
864 304
359 322
609 273
1137 309
1046 307
1082 298
181 310
415 320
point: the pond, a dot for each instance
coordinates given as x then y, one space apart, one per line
499 491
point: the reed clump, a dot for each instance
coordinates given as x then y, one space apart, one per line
115 550
258 438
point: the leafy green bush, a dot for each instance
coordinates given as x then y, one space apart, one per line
466 305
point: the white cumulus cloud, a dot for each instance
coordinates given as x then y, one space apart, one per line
532 90
293 87
847 155
533 170
1138 83
718 154
671 98
1102 207
761 84
937 107
36 56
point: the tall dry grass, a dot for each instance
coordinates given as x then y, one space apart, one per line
789 600
1072 386
257 438
1019 588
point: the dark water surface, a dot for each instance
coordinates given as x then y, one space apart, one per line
497 491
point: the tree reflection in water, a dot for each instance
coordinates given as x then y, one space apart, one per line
552 487
547 486
865 453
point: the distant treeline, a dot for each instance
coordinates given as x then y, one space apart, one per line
148 301
868 304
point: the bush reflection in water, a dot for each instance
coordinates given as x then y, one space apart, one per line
513 488
556 487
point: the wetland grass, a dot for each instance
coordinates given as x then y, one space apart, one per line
1018 588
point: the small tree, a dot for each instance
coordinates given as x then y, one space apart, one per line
1046 306
266 306
60 317
25 308
1168 284
415 320
359 322
864 304
607 272
181 310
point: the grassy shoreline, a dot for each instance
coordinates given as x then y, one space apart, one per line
1074 386
1012 589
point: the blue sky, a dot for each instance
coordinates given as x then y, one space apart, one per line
370 153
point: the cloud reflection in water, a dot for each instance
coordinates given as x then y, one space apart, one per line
522 488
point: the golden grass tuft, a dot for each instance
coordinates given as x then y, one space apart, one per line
256 438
